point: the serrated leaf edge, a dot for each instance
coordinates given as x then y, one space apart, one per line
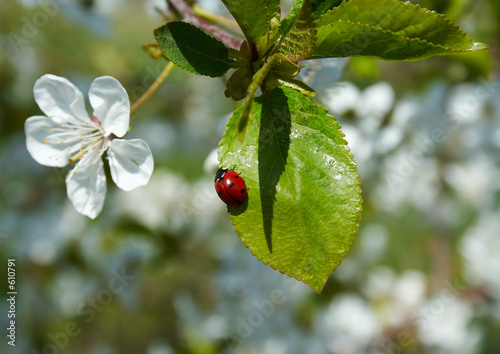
446 21
446 50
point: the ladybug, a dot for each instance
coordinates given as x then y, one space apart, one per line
230 187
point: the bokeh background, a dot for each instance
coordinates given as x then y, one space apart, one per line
161 270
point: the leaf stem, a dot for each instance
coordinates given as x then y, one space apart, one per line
152 88
214 18
257 80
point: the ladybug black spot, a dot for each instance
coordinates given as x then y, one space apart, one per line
231 184
242 191
220 192
236 176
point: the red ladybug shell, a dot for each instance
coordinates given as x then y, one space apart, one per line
230 187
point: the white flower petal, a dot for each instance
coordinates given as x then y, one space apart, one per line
57 97
131 163
44 150
111 105
86 187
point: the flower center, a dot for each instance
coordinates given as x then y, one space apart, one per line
96 121
93 140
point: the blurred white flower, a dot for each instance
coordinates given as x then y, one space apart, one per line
169 202
409 176
163 202
396 298
376 100
475 180
341 98
466 104
68 135
42 252
348 325
480 247
367 136
380 283
274 346
214 327
370 105
372 243
410 288
445 326
70 287
406 110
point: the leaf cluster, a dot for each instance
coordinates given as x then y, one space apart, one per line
304 196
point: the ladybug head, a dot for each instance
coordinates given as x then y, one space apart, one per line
220 172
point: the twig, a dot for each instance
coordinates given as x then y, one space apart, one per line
152 88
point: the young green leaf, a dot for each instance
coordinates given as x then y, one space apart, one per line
237 85
304 200
273 8
192 49
289 20
282 72
251 15
389 30
300 39
299 86
154 50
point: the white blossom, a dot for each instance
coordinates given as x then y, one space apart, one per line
67 135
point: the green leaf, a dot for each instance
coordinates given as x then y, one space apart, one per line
237 85
389 30
299 86
267 42
192 49
289 20
282 72
304 200
251 15
300 39
273 8
322 6
284 66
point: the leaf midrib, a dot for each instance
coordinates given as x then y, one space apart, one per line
201 53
